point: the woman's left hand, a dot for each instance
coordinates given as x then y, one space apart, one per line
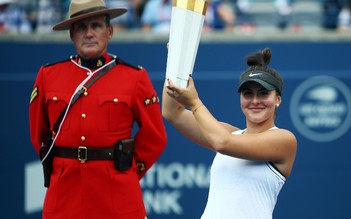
188 97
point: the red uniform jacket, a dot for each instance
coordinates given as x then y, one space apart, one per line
105 113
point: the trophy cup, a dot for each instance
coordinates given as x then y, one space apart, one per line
187 21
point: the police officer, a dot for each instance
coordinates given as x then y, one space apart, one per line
85 182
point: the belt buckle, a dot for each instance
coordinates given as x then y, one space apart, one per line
82 154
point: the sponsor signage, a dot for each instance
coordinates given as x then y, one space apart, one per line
320 108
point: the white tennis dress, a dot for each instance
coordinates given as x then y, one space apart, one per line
242 189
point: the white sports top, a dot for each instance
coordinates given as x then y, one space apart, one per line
242 189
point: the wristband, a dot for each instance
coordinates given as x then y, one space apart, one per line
194 110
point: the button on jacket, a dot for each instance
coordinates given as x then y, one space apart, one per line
107 112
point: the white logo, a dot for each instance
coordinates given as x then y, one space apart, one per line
320 108
163 186
254 74
33 187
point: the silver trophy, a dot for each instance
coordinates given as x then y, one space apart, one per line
187 21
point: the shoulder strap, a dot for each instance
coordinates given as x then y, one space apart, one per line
79 94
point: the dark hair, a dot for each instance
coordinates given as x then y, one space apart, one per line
107 19
259 61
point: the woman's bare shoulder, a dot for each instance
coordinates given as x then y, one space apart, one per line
285 134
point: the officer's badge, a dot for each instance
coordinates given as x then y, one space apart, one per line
153 100
147 101
33 95
99 63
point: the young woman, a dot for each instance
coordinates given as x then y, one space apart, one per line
252 164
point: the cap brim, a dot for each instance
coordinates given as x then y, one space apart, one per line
66 24
259 81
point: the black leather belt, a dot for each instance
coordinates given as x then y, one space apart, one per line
84 154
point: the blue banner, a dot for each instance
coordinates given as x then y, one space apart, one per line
316 107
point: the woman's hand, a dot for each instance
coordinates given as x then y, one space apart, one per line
188 97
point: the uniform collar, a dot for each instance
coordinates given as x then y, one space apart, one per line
93 63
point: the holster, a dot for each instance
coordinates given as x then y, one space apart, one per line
47 164
123 154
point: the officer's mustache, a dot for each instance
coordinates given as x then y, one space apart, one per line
89 42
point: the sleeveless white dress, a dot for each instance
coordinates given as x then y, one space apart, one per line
242 189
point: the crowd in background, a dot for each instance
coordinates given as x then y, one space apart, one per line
38 16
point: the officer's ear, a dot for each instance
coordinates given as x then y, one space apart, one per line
110 32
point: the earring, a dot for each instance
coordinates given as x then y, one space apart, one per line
277 105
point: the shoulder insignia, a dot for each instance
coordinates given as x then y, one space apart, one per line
34 94
119 60
50 64
151 100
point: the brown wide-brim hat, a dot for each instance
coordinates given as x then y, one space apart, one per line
81 9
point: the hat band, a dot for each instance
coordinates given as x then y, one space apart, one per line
88 11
